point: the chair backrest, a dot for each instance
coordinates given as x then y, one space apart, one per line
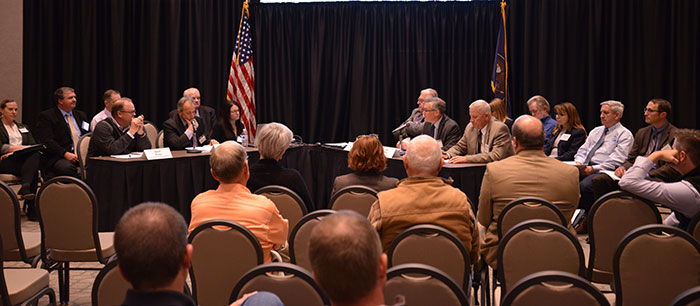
83 145
109 287
447 253
159 140
535 246
655 263
68 219
223 251
300 235
355 197
419 284
288 202
291 283
694 227
690 297
554 288
610 218
528 208
10 226
151 133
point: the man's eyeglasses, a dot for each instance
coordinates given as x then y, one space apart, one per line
133 112
649 110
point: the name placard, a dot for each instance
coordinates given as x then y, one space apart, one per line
160 153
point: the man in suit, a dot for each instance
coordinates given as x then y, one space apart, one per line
109 98
184 130
413 126
535 175
485 139
206 113
59 129
438 125
539 108
121 134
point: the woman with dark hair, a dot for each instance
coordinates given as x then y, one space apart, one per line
366 159
568 135
229 125
498 111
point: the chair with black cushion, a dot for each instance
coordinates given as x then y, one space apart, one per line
159 140
223 252
300 235
18 246
653 264
553 288
535 246
109 287
68 215
446 252
291 283
288 202
610 218
690 297
355 197
694 227
23 286
151 132
83 145
419 284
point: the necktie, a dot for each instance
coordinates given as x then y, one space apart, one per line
478 142
595 147
652 143
432 131
419 118
73 131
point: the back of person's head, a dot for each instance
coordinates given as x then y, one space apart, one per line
542 103
345 254
151 243
61 92
615 106
227 161
688 140
437 104
529 132
273 139
424 156
498 109
367 155
663 106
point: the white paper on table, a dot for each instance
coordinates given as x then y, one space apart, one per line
130 155
160 153
389 152
348 146
611 174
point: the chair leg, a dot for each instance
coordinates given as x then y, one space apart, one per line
61 285
486 282
66 279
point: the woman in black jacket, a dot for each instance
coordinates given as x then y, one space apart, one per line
569 134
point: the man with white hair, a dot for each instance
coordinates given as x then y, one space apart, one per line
485 139
205 113
424 197
413 126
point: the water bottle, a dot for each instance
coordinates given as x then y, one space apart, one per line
244 138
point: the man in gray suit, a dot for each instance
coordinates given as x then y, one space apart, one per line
485 138
438 125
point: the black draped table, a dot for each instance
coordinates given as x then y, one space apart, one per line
122 183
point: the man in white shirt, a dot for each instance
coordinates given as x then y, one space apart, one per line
109 98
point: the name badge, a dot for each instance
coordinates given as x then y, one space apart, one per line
86 126
202 139
667 147
23 130
564 137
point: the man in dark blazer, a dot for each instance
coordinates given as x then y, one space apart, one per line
413 126
205 113
59 129
184 130
121 134
438 125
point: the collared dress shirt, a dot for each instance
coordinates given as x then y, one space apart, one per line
612 153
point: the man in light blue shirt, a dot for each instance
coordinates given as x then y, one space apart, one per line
539 108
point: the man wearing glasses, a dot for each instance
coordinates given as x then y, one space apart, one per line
413 126
438 125
121 134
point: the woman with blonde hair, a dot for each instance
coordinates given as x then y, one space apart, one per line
367 160
568 135
498 111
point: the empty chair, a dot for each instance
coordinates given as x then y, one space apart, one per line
109 287
446 252
694 227
690 297
151 132
419 284
299 238
18 246
655 263
223 251
159 140
610 218
23 286
291 283
68 221
554 288
528 208
83 144
289 203
355 197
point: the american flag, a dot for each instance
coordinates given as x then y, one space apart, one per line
241 79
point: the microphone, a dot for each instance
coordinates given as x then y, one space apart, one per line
194 124
401 127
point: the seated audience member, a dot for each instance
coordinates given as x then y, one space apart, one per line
233 201
229 125
528 173
682 197
109 97
485 138
424 197
539 108
498 111
203 112
183 131
347 260
14 137
122 133
605 149
413 126
272 140
59 129
568 135
151 243
366 159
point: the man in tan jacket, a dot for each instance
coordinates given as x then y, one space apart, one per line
485 139
528 173
424 197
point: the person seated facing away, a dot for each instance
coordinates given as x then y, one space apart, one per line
413 126
154 257
568 135
205 114
59 129
109 97
528 173
229 125
424 197
366 159
233 201
485 138
272 140
14 137
347 260
183 131
122 133
498 111
682 197
539 108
